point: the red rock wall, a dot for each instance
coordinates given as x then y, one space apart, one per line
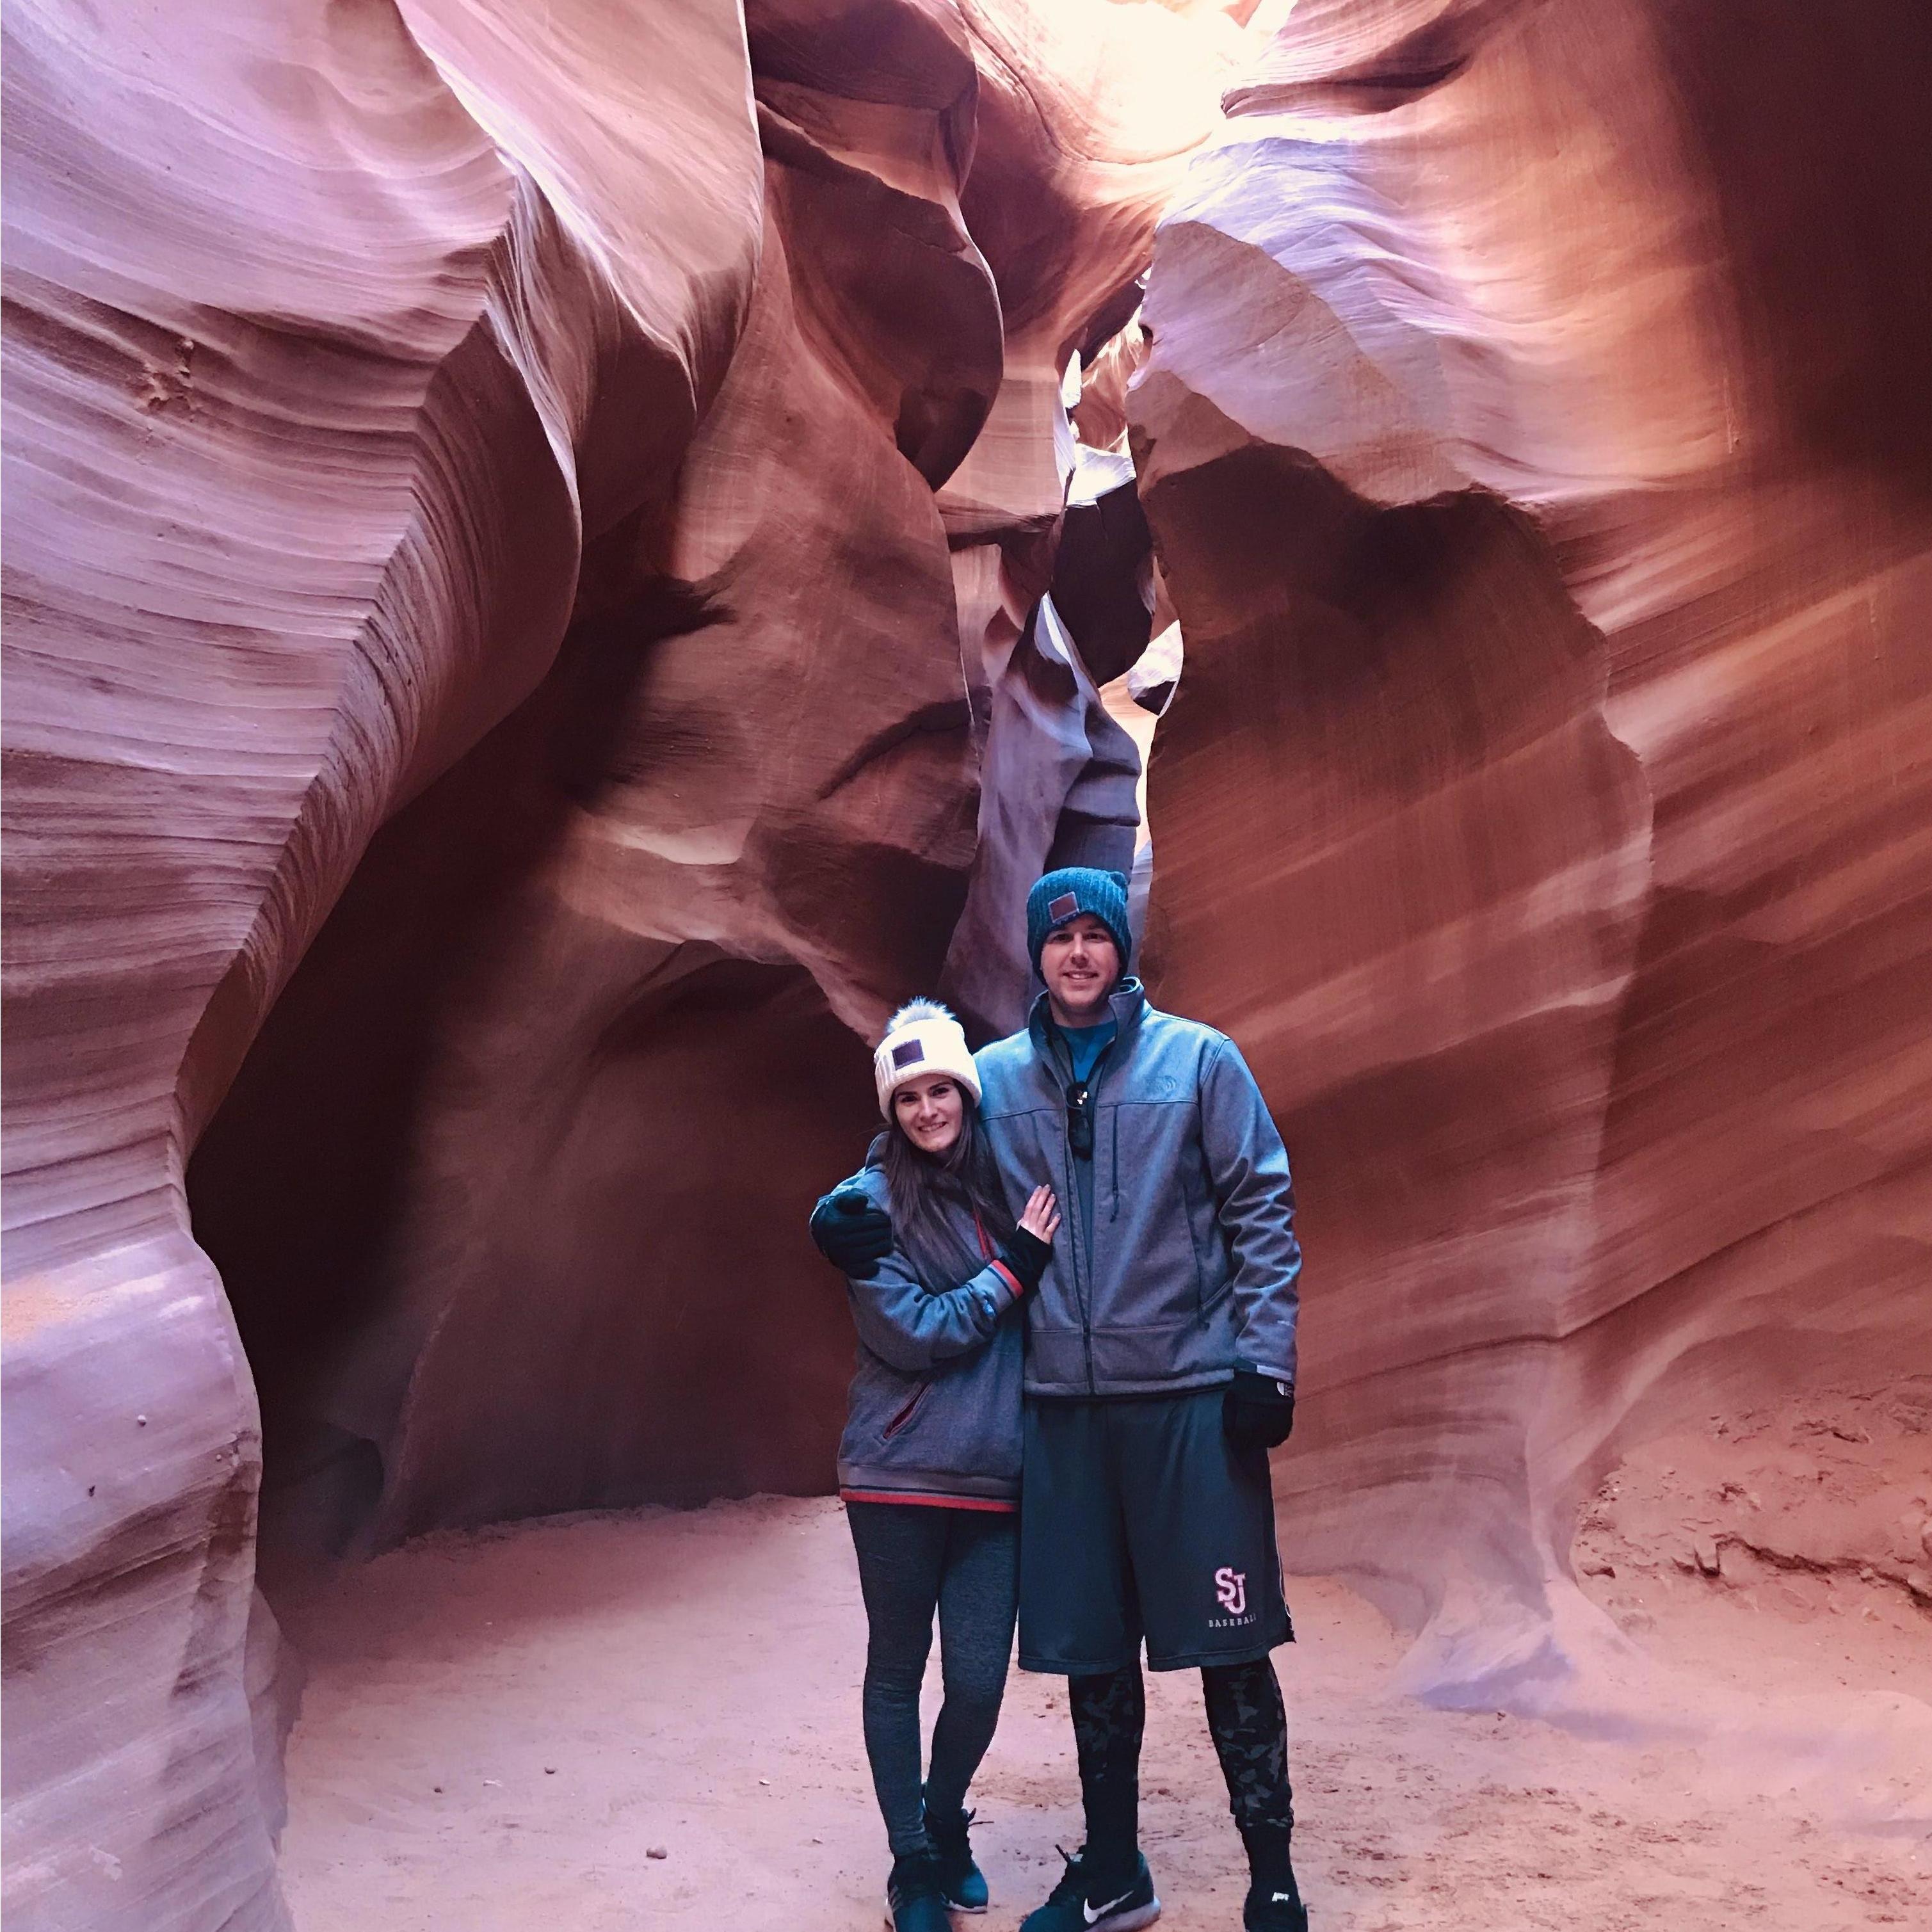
754 749
1088 113
265 448
1536 441
470 496
523 530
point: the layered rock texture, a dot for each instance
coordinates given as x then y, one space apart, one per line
1536 439
550 580
479 603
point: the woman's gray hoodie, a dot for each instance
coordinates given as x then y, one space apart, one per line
933 1413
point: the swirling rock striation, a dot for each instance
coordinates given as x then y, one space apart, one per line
620 937
266 446
1089 114
1535 446
541 596
487 716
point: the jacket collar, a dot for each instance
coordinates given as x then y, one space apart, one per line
1127 1002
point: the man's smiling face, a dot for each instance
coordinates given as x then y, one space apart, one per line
1080 964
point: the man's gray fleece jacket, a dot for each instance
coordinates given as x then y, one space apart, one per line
1193 1267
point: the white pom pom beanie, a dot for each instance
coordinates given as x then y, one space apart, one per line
923 1038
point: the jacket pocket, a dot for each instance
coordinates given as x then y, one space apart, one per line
908 1410
1056 1361
1129 1361
1193 1210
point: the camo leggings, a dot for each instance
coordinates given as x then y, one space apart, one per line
1248 1723
1245 1718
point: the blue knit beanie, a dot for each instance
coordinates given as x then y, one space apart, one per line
1074 889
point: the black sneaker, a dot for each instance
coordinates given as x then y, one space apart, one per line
1269 1909
1069 1907
1273 1903
965 1883
915 1898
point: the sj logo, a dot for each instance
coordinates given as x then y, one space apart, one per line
1232 1587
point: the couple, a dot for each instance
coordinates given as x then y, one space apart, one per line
1125 1345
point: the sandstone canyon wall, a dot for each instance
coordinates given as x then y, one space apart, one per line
1538 442
541 598
477 602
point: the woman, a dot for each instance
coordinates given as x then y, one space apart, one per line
929 1465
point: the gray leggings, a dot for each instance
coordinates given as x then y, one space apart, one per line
914 1558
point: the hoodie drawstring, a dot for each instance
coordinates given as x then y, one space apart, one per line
1114 1135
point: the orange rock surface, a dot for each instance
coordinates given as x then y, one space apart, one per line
541 599
486 693
1536 441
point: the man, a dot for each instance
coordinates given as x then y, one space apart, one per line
1160 1371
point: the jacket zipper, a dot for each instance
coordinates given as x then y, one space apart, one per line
1047 1038
1082 1261
1086 1260
1085 1249
899 1421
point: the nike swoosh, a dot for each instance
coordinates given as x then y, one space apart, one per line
1095 1913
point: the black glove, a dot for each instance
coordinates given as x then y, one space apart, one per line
851 1234
1257 1411
1026 1255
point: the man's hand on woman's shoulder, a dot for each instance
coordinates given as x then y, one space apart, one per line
850 1233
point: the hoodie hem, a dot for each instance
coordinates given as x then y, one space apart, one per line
995 1505
1111 1390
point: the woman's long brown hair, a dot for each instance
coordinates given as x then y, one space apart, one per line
921 1186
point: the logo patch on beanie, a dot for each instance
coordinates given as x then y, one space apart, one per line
907 1053
1064 907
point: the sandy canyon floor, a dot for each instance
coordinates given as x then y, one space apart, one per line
651 1720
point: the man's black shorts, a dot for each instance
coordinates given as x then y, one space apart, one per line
1138 1518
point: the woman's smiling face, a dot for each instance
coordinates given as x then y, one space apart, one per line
930 1110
